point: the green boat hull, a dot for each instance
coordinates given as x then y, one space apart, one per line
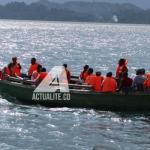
108 102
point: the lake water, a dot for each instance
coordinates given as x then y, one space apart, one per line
77 44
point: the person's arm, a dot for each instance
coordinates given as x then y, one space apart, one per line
37 79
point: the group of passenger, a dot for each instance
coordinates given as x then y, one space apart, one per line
121 82
99 83
35 71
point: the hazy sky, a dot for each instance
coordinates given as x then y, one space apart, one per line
141 3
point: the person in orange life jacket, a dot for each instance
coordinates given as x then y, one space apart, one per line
109 84
33 67
6 71
98 82
84 73
147 81
43 74
121 68
15 68
90 80
66 73
36 74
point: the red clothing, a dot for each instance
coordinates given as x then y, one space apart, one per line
98 83
109 85
42 75
147 81
120 70
32 68
16 70
1 76
65 76
83 75
68 75
35 76
90 80
6 71
95 82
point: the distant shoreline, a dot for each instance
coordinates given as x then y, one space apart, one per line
76 11
75 22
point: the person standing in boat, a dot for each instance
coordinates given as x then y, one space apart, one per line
109 84
15 68
121 69
84 73
126 84
33 67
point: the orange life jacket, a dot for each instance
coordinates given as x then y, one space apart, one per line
120 70
6 71
90 80
147 81
109 85
83 75
32 68
98 83
42 75
16 70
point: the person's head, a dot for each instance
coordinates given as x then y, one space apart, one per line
39 68
86 67
33 61
109 74
14 59
122 61
90 71
65 66
140 71
43 70
98 73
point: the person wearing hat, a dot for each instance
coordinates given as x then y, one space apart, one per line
121 68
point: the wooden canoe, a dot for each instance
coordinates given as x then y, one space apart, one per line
79 98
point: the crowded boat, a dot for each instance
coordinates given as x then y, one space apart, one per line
121 82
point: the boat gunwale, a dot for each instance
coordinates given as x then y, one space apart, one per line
33 87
